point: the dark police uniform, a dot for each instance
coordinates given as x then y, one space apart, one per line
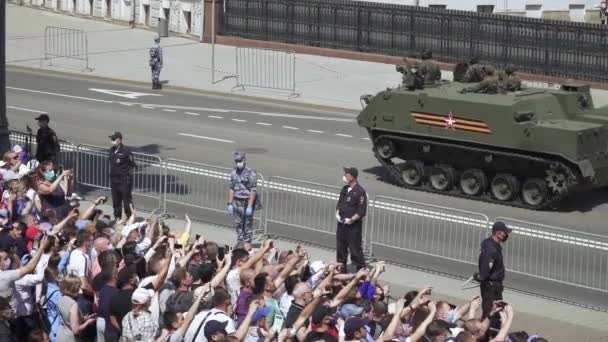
349 237
47 142
122 164
491 270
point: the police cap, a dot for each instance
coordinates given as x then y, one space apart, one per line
115 135
43 117
351 171
500 227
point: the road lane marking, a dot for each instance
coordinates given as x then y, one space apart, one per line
169 110
27 110
190 113
290 127
147 107
61 95
263 124
215 117
365 138
206 138
344 135
239 120
128 94
314 131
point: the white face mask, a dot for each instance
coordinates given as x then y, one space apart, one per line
115 142
240 165
345 180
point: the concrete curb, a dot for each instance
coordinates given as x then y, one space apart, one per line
194 91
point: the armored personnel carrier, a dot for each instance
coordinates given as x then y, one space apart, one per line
529 148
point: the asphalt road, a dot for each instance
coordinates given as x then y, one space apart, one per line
295 142
291 141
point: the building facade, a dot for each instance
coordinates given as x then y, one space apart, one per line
571 10
183 16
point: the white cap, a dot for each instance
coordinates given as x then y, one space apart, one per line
128 229
142 296
316 266
17 149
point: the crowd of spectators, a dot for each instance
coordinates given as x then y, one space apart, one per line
68 274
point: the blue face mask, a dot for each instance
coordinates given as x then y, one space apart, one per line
50 175
451 316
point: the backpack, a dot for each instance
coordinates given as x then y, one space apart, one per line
42 314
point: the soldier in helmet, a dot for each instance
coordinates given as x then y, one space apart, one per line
428 69
411 79
242 197
489 85
508 80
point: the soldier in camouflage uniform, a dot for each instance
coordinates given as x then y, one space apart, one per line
475 73
242 197
508 81
156 63
428 69
489 85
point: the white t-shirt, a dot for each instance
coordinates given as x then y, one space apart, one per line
79 263
7 279
285 303
40 267
233 282
204 317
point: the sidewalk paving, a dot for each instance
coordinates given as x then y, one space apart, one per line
552 320
122 53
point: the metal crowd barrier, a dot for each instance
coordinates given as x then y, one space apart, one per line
203 186
93 170
557 254
266 68
400 226
61 42
67 153
304 211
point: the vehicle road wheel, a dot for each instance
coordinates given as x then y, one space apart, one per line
412 172
504 187
442 177
534 191
473 182
385 148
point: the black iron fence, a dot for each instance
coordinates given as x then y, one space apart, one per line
549 47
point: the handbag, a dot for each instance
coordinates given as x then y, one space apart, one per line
42 314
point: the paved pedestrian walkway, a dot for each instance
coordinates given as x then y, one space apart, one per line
122 53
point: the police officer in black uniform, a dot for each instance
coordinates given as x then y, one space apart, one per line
46 140
350 211
492 267
122 165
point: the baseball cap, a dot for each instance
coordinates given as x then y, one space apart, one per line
142 296
156 38
351 171
321 312
260 313
500 227
353 325
350 310
214 327
316 266
43 117
80 224
115 135
128 229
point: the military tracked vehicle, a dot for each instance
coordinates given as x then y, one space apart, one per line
529 148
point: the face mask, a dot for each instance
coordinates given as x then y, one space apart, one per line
345 180
115 142
451 316
50 175
240 165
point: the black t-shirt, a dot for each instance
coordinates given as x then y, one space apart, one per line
7 242
292 315
105 296
120 305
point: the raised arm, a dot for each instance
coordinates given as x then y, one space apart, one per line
223 268
422 327
392 327
162 275
258 255
289 267
31 265
341 296
87 213
59 226
506 318
241 332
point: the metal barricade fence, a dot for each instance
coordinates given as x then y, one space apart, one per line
266 68
420 229
303 211
203 186
61 42
557 254
67 154
93 170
